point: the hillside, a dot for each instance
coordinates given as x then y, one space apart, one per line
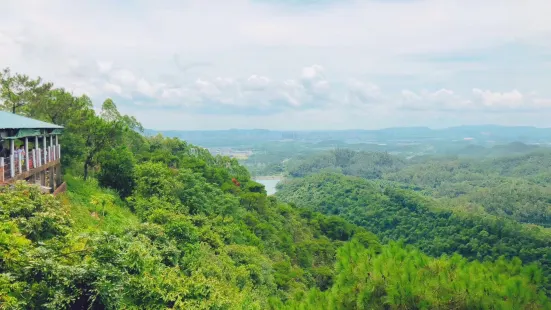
158 223
189 244
399 214
180 241
513 186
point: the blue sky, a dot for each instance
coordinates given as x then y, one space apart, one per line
292 64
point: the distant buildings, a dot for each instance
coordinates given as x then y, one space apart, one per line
238 154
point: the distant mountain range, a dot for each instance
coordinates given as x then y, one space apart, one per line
477 135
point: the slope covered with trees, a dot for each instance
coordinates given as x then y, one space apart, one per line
396 214
398 278
514 187
157 223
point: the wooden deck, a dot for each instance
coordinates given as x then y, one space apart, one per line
48 177
27 174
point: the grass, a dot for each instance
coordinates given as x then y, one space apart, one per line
93 208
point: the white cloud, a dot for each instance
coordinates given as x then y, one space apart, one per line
113 88
363 93
123 76
256 83
240 56
104 66
477 100
313 72
442 99
512 99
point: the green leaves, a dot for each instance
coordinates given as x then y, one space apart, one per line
117 170
19 91
404 278
38 217
397 214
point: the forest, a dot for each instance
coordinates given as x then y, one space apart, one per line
150 222
514 187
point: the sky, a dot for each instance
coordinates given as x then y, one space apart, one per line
292 64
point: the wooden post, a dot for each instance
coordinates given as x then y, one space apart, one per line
19 163
45 149
59 151
1 169
52 157
58 175
33 156
27 164
36 160
12 158
52 180
12 166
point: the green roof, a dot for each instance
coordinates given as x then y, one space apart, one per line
14 121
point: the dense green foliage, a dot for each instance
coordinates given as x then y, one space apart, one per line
157 223
515 187
198 246
363 164
398 278
394 214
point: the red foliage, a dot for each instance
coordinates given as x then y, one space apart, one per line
234 180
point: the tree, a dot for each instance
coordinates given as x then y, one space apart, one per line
60 107
101 134
110 113
117 170
20 90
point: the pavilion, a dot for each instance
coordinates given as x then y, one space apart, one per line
29 150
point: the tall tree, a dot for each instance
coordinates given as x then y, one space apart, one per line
117 170
103 132
110 113
59 107
18 90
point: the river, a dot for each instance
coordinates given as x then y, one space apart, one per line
270 183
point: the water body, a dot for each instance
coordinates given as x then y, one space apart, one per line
270 184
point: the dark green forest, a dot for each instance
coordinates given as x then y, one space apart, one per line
514 187
158 223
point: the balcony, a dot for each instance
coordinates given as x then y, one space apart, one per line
30 165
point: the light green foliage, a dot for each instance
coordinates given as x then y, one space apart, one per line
96 209
37 217
205 260
403 278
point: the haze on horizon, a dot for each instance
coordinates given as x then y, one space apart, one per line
297 65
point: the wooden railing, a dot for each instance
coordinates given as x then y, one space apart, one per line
16 164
